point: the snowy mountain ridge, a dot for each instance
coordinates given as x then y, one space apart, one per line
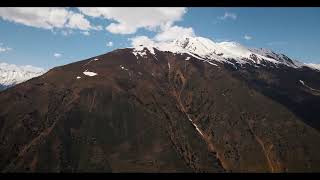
314 66
210 51
11 74
198 47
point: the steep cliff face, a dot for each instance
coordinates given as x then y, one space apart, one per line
145 110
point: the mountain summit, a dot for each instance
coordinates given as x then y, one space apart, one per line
199 47
227 52
191 105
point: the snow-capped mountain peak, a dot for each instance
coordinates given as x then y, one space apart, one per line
11 74
314 66
204 48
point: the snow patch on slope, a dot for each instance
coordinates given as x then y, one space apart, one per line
88 73
123 68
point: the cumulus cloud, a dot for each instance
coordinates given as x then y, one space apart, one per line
129 20
247 37
141 40
46 17
57 55
228 15
167 34
110 44
121 20
77 21
174 32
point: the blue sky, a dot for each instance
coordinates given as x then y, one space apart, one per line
30 37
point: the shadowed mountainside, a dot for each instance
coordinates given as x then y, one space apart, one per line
161 113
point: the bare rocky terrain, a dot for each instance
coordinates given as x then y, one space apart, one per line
162 112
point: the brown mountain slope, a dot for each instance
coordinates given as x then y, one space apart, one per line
153 114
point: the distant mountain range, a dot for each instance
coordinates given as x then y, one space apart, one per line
190 105
11 74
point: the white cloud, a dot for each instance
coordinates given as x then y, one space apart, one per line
174 32
4 49
77 21
141 40
57 55
129 20
123 20
46 17
167 34
228 15
247 37
110 44
86 33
